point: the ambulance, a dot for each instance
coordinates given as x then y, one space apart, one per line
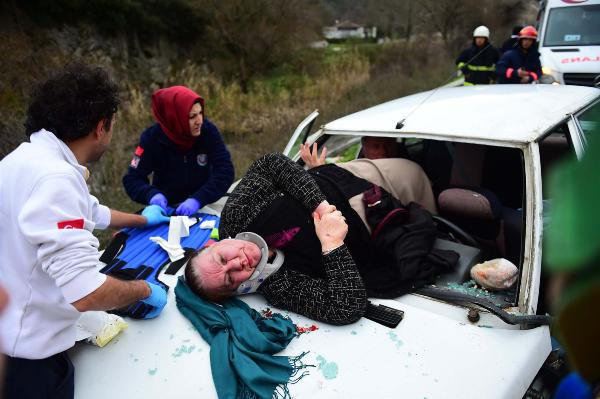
569 41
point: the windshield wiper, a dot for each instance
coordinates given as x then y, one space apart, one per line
453 296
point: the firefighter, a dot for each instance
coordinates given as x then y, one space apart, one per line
522 64
478 62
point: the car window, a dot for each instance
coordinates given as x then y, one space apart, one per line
589 119
496 173
555 147
300 134
573 26
340 148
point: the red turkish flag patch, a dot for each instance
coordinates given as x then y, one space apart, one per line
139 151
71 224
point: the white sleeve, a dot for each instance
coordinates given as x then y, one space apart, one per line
54 220
100 214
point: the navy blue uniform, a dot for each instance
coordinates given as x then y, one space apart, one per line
514 59
205 172
478 64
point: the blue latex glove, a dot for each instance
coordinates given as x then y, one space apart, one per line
160 200
188 207
157 299
573 386
154 215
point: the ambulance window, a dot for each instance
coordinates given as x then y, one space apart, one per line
573 26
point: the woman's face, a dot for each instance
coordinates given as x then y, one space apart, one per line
196 119
225 265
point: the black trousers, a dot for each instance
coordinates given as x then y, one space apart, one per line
49 378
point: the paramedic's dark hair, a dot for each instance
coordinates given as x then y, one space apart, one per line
72 102
194 281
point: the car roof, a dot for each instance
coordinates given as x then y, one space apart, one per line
512 113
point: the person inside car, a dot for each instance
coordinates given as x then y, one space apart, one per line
380 162
298 241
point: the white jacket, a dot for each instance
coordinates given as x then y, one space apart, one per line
48 255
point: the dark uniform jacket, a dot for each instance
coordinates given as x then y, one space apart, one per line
205 172
478 66
512 60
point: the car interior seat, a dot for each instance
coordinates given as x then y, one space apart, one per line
478 210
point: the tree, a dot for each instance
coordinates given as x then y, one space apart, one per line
248 38
443 16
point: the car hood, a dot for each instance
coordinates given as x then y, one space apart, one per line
586 60
429 354
434 352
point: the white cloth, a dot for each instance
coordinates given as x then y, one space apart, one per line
44 267
179 226
175 251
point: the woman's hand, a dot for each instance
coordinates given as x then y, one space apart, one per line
331 229
311 157
324 207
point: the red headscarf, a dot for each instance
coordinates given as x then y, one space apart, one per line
171 109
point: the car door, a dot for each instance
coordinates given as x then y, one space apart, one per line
300 134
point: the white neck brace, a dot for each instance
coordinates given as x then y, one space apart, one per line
263 269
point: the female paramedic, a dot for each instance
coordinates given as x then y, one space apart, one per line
184 151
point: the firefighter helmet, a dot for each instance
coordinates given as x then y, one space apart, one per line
481 31
528 32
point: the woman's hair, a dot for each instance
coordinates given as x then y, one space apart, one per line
192 278
194 281
71 103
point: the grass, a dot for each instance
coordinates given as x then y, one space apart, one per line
253 123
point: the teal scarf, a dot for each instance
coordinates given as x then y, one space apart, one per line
242 344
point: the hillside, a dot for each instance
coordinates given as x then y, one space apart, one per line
250 60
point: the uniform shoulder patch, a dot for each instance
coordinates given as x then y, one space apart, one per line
71 224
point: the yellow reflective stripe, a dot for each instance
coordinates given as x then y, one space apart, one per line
481 68
468 84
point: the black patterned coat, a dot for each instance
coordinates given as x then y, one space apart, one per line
338 296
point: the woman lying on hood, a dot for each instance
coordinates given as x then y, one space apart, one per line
184 151
298 238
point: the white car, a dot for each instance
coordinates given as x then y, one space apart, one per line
455 341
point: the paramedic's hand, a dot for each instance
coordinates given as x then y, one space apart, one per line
154 215
311 157
160 200
188 207
331 229
157 299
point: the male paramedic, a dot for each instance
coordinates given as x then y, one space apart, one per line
48 255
